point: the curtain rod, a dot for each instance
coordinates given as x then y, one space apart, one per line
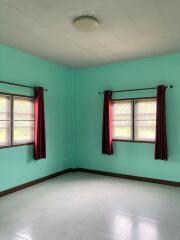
137 89
20 85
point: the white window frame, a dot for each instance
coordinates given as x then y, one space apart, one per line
12 96
133 120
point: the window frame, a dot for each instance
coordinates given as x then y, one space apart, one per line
133 120
12 95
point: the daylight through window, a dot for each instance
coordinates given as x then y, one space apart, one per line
16 120
134 120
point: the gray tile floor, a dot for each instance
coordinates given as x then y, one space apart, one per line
81 206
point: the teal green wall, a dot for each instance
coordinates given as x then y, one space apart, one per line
74 117
129 158
16 164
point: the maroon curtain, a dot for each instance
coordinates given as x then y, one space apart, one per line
161 141
107 124
39 125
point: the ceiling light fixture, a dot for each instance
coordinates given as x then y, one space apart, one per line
86 23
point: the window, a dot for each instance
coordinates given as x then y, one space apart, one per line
122 120
134 120
145 119
23 120
5 120
16 120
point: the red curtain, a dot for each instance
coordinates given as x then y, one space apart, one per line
39 125
161 152
107 147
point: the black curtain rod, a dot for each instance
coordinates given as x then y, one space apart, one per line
20 85
137 89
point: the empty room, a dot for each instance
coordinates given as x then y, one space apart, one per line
89 115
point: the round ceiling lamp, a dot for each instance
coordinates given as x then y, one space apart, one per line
86 23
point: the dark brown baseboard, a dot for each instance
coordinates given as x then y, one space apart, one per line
130 177
31 183
119 175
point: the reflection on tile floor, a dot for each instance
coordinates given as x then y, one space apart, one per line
80 206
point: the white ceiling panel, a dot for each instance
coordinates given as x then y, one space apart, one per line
128 29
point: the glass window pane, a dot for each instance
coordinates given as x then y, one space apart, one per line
122 110
122 119
5 107
145 119
145 109
23 132
122 130
145 130
5 133
23 108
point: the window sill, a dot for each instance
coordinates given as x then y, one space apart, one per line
17 145
119 140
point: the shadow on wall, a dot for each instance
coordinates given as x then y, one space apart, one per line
30 154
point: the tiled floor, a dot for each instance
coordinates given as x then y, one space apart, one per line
81 206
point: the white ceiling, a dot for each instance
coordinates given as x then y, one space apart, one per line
129 29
